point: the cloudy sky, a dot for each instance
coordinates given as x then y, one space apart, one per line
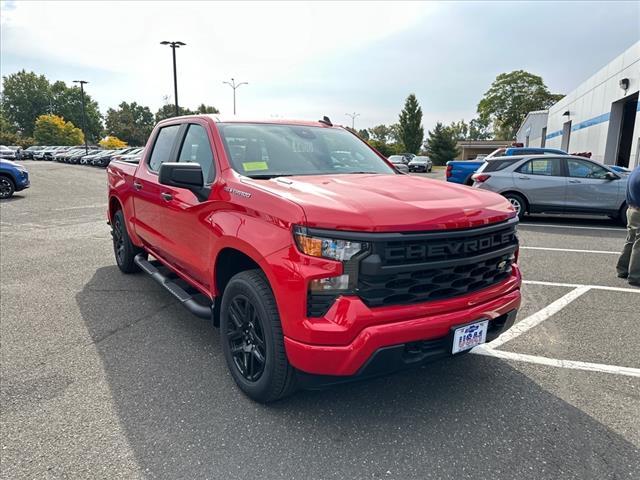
305 60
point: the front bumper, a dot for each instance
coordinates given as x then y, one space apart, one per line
376 344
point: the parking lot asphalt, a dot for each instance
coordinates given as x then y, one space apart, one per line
104 375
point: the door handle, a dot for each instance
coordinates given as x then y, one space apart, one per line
137 185
523 178
575 181
167 196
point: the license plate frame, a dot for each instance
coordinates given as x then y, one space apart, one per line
478 329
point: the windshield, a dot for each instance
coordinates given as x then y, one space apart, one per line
271 150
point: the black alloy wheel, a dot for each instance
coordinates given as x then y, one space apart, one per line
245 334
118 240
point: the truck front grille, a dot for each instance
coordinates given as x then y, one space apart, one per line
427 284
412 268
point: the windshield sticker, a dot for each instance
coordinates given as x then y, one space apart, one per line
254 166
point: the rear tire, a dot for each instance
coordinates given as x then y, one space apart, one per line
124 250
7 187
518 203
252 339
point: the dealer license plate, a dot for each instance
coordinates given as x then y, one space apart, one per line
469 336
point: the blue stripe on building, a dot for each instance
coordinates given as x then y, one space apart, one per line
587 123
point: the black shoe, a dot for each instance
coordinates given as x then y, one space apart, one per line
623 275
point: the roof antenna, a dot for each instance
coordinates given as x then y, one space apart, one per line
326 121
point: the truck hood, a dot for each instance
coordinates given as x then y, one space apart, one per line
388 203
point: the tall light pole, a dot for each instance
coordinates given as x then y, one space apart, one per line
173 46
235 85
353 119
84 122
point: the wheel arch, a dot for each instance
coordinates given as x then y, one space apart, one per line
114 206
520 194
229 262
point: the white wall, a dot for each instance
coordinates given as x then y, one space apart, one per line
589 106
532 128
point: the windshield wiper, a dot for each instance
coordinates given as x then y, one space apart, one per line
267 176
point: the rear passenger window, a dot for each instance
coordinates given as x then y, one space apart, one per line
163 146
196 148
541 166
497 165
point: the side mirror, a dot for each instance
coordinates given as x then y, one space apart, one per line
611 176
184 175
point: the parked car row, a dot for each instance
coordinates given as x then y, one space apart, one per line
79 155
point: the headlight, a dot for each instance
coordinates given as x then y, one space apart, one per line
332 248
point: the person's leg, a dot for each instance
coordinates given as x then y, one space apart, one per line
633 225
625 257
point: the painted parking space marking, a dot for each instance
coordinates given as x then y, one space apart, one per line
490 349
577 285
538 317
576 227
555 362
571 250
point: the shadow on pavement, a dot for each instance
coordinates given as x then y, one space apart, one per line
469 417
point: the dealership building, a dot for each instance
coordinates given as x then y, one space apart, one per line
601 116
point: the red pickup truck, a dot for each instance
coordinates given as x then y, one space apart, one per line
319 262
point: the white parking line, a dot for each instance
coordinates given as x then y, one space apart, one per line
570 250
554 362
569 226
577 285
538 317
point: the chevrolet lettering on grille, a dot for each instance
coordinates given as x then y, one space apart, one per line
422 251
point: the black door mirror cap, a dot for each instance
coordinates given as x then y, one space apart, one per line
184 175
611 176
181 175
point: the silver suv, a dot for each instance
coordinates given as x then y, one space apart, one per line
555 184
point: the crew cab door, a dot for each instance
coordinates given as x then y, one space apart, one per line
172 221
189 238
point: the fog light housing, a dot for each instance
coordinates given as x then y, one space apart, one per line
329 284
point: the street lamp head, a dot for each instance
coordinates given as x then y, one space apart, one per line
80 81
165 43
180 43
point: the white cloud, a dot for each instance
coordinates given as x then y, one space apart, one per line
260 42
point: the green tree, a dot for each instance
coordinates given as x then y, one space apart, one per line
380 133
25 95
66 102
509 99
441 145
169 111
459 130
130 122
410 125
202 108
479 129
53 130
364 134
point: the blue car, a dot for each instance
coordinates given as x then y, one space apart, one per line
13 178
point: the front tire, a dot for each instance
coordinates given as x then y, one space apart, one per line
518 203
7 187
124 250
252 339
